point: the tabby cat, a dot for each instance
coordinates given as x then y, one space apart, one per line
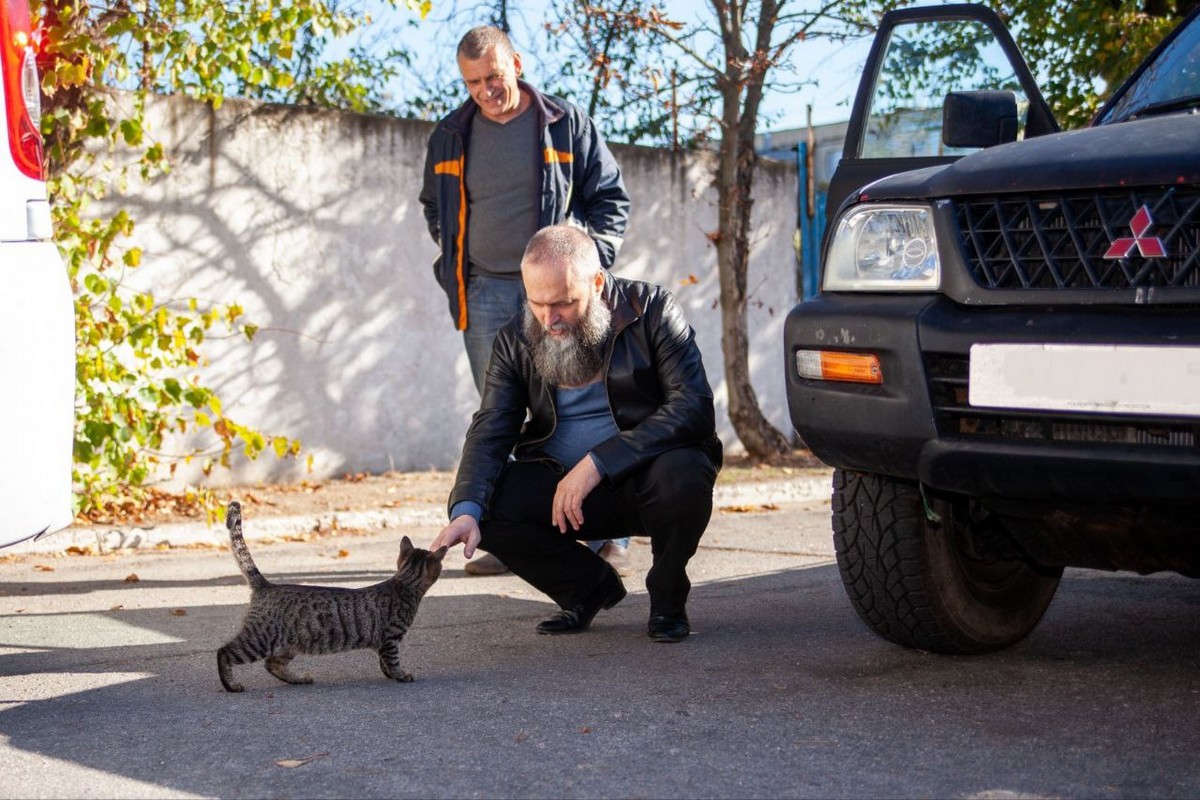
285 620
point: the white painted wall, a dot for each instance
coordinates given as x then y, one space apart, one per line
310 220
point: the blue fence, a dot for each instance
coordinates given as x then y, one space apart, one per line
810 224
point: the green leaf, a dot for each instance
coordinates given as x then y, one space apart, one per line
196 397
95 284
131 130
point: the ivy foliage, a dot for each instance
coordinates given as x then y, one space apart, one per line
1081 52
140 358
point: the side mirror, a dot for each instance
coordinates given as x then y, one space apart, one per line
979 119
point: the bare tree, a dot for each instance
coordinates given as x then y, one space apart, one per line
729 57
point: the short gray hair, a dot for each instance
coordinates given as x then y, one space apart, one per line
564 244
476 42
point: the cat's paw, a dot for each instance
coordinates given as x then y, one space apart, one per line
405 677
234 687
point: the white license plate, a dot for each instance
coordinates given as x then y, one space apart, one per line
1067 377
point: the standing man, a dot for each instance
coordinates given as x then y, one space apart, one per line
596 421
507 162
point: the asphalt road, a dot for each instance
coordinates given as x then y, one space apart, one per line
108 686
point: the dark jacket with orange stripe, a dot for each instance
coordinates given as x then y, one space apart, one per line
581 183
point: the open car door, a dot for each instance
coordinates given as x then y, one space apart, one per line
933 76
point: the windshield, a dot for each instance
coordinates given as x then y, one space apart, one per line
1170 83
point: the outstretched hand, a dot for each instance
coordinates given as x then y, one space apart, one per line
464 530
575 486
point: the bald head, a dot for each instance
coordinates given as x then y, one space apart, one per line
566 249
563 277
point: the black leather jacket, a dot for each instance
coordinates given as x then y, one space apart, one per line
657 390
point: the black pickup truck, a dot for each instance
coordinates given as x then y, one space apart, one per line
1003 361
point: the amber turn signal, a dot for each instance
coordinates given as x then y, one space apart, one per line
828 365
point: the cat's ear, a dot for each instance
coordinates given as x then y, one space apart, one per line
440 553
406 548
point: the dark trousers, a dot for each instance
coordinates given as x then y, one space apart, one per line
669 500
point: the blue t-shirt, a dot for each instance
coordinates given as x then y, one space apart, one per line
584 421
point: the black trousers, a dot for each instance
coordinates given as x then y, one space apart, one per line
669 500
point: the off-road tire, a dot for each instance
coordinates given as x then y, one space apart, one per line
915 582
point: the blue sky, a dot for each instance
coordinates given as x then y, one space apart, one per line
822 73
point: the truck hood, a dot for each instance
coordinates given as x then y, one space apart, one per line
1145 152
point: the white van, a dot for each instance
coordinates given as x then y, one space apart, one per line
37 321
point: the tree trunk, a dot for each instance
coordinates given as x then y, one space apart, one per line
735 178
760 438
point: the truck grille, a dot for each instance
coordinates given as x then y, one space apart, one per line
1060 241
948 377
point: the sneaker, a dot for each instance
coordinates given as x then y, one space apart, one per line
488 564
618 558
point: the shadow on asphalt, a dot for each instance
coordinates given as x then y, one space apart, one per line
62 587
779 692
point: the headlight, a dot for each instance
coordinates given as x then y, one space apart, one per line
883 247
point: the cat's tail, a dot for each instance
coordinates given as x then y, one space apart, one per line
237 542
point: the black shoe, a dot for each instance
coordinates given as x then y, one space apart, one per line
668 628
576 618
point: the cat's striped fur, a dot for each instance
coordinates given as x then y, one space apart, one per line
286 620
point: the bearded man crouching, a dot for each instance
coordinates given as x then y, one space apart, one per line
596 422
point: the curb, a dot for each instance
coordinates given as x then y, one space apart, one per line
182 534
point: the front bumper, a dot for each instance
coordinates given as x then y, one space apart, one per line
919 425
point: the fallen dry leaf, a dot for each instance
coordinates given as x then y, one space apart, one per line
75 550
748 509
343 553
148 504
292 763
43 568
179 612
117 607
132 578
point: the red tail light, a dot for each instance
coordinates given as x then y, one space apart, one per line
22 98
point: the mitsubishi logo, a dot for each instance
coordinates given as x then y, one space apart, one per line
1148 246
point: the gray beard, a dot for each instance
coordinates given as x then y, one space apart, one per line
574 359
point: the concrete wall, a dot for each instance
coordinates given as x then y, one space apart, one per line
310 220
